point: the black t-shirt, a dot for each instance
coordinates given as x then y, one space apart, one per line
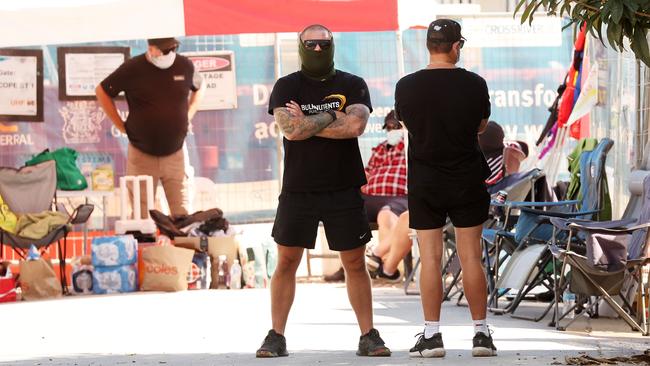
442 110
158 102
321 164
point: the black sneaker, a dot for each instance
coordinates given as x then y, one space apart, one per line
372 260
428 347
372 345
483 345
275 345
395 277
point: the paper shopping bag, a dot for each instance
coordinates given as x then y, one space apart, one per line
38 280
166 268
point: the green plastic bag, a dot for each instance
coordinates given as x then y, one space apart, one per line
68 175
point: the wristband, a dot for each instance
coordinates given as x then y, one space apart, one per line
331 113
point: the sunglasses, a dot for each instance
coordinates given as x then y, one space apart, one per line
311 44
461 42
168 50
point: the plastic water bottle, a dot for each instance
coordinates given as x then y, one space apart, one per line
223 275
569 300
235 275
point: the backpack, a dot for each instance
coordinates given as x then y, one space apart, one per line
68 175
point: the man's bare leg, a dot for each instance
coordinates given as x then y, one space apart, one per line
430 245
358 285
386 222
468 242
400 244
283 285
360 295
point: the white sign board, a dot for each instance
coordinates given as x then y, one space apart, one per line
21 89
84 71
218 71
81 69
509 32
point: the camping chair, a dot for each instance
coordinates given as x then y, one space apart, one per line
33 190
611 267
528 246
518 186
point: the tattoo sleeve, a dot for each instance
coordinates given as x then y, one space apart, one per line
300 128
350 126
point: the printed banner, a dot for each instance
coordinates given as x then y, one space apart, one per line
510 32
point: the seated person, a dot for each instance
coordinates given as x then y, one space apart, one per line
385 193
503 157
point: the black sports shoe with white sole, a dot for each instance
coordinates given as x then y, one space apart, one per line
372 345
428 347
483 345
275 345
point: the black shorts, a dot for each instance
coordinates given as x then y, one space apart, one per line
374 204
429 207
342 213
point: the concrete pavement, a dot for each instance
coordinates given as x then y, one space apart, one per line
225 327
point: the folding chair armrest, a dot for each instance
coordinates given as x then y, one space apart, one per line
519 204
566 215
81 214
632 263
611 230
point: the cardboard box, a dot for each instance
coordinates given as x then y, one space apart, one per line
214 245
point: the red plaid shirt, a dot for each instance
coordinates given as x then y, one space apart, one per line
386 171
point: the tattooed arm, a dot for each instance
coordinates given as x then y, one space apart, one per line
295 125
348 125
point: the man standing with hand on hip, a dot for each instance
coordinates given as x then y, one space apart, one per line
321 112
444 108
163 91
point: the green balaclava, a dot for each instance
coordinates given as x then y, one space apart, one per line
317 65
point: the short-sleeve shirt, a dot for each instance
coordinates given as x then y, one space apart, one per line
158 102
386 171
442 110
319 164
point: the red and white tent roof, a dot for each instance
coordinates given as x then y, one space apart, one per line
37 22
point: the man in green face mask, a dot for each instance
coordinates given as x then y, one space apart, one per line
321 112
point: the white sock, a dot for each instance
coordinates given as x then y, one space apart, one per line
431 328
481 326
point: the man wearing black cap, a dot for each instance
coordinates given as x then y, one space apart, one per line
444 108
321 112
163 92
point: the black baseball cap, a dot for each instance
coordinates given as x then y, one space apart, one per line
163 43
444 30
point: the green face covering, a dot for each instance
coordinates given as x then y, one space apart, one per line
317 65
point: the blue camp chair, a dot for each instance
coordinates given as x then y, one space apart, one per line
526 246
